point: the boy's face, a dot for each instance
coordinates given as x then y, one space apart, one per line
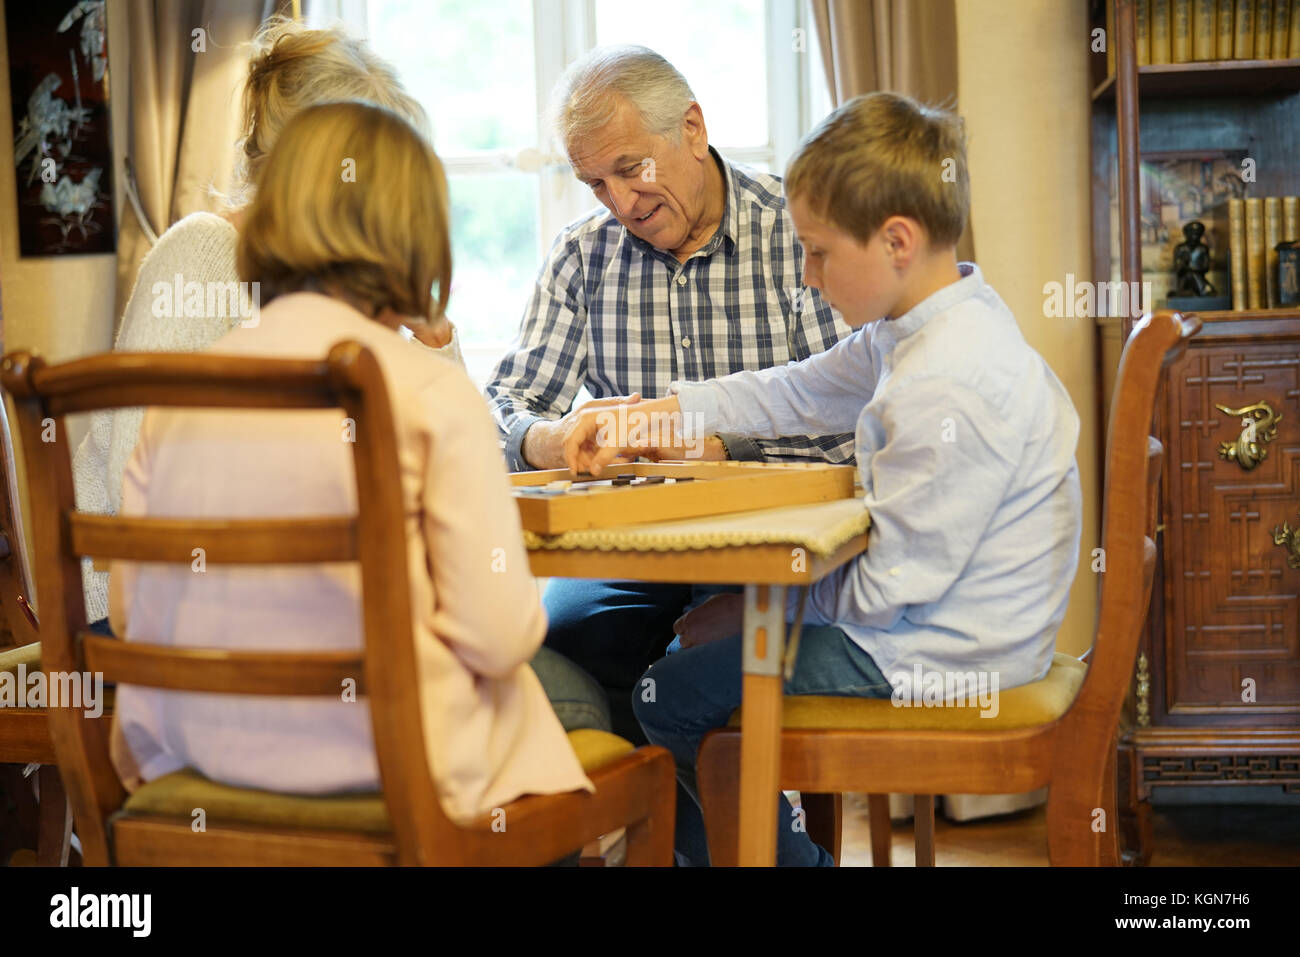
858 279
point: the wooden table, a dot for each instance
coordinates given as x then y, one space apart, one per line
767 569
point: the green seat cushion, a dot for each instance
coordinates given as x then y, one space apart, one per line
1026 706
178 794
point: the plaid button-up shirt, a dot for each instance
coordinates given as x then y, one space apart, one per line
615 314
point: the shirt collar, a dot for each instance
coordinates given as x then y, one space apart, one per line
970 283
729 228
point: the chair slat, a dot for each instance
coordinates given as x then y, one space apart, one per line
224 541
202 380
318 673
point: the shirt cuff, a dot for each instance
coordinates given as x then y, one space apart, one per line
514 444
741 448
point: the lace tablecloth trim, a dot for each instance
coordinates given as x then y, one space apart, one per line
821 529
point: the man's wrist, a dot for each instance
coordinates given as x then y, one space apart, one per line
516 460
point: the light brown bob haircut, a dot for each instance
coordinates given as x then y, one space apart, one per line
351 202
292 66
883 155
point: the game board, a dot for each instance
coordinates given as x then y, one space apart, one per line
557 501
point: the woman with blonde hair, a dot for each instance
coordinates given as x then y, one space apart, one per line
291 67
344 258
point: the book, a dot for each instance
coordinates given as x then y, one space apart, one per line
1181 33
1293 43
1112 36
1237 252
1223 45
1243 31
1255 253
1203 27
1160 50
1263 28
1290 219
1143 32
1281 26
1272 236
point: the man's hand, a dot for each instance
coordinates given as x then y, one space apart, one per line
543 445
719 617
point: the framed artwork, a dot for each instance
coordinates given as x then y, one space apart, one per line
58 82
1177 187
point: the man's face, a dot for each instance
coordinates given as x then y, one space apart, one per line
653 186
856 278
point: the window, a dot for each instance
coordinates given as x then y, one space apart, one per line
484 70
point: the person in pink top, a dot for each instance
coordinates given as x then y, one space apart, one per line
344 257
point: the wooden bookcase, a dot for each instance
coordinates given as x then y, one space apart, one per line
1215 699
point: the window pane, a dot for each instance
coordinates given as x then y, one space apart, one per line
494 253
719 46
469 62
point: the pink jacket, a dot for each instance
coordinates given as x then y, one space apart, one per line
491 733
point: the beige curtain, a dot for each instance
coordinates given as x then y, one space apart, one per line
183 112
907 46
910 47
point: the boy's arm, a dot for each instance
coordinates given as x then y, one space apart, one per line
820 395
933 488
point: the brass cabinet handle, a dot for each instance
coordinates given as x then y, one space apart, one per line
1258 427
1289 539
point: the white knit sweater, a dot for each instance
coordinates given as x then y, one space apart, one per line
200 248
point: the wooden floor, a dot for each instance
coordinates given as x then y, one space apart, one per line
1201 835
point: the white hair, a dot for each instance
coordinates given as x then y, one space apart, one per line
587 93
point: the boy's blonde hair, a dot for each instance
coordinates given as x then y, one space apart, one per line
292 67
351 202
882 155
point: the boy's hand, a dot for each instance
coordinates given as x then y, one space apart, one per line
619 433
543 446
719 617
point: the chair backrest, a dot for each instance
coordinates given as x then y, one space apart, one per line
18 625
384 670
1129 516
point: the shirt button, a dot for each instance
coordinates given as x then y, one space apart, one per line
895 571
686 342
681 279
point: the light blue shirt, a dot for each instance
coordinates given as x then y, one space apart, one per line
965 443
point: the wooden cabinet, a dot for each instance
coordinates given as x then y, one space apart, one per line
1215 699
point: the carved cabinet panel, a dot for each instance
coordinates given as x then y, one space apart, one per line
1232 517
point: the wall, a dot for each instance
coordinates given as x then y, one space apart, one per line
59 306
1023 88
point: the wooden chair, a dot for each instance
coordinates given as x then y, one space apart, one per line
24 732
1057 733
402 824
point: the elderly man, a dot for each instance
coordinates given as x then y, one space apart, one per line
691 271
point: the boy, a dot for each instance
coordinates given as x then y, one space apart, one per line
965 444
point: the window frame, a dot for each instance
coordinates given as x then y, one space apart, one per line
563 30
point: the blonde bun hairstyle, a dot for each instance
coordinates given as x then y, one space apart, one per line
292 67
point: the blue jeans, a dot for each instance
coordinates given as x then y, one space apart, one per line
696 689
613 631
579 701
